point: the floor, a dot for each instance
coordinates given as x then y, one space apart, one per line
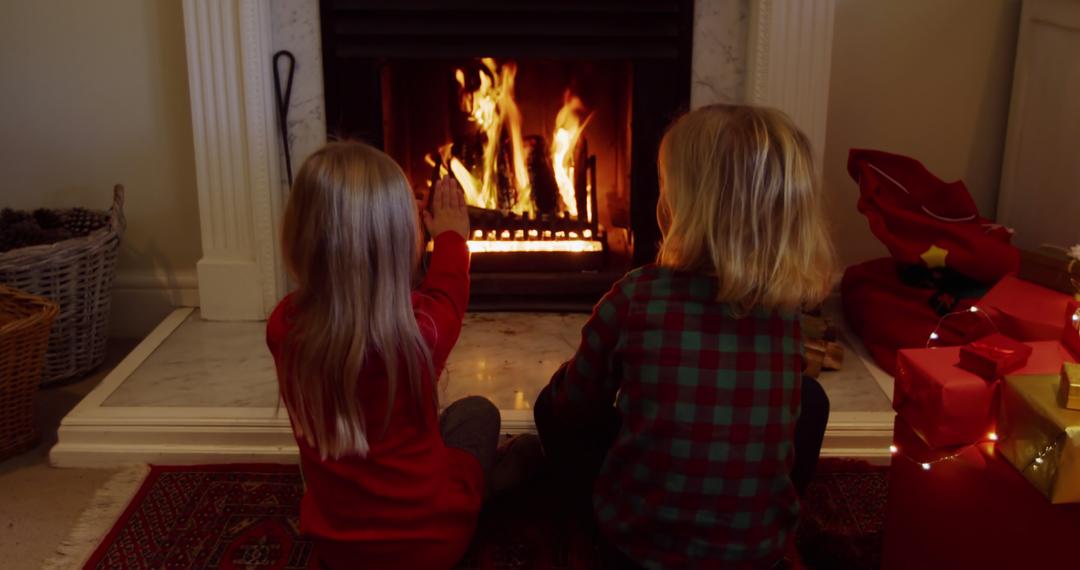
206 365
40 504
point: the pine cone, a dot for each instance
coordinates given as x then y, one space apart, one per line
48 219
9 217
80 221
54 235
25 233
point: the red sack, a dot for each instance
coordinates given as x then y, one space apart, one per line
925 221
889 314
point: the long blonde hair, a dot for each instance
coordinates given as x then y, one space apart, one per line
739 200
351 241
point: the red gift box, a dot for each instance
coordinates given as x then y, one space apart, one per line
947 405
994 356
971 511
1046 358
1071 337
944 403
1025 311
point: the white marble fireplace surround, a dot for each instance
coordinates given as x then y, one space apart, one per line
200 388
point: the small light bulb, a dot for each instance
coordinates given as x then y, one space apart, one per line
974 309
925 466
934 336
1039 460
893 449
1076 317
992 436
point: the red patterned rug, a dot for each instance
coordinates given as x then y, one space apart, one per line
246 516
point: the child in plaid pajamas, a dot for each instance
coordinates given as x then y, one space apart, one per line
680 407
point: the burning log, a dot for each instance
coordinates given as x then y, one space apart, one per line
581 187
545 190
505 179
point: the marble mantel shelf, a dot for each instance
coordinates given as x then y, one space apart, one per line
196 391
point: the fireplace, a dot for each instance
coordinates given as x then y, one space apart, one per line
547 112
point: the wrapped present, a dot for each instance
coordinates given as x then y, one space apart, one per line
1040 437
1070 385
1024 310
1046 358
1071 337
947 405
971 509
1054 268
994 356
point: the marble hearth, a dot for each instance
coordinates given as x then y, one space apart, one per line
197 391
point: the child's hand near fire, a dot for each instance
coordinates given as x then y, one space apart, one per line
447 210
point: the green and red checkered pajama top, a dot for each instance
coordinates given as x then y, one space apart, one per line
699 474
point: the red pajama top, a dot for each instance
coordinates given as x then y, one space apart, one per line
412 502
699 473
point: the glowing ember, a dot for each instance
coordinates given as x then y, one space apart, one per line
498 246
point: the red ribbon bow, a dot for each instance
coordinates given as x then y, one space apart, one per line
992 350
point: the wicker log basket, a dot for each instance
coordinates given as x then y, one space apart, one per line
25 322
78 275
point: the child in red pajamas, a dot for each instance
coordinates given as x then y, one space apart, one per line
390 483
679 408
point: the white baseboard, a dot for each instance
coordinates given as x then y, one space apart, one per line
141 299
117 437
232 290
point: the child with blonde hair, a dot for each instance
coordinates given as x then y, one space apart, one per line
390 483
677 415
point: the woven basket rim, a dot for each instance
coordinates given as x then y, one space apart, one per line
44 309
109 231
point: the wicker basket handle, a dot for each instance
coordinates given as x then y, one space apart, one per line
116 213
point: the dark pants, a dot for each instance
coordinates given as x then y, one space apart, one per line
576 452
472 424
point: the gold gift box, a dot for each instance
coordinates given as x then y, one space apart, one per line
1040 437
1070 385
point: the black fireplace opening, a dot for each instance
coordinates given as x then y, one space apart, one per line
547 112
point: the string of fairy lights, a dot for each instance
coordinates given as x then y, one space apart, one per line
934 335
991 438
926 464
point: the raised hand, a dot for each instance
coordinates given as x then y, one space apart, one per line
448 212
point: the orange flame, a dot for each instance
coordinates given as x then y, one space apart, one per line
568 127
492 107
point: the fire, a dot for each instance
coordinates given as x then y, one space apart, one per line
490 105
568 128
530 179
492 108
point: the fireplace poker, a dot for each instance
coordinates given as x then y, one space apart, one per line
283 104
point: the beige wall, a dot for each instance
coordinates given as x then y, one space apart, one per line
927 78
95 93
